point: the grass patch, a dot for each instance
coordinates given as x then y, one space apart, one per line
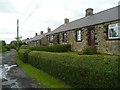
44 80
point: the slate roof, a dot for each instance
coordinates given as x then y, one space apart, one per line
29 40
38 37
100 17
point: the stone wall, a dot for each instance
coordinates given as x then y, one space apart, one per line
60 39
45 41
71 39
77 46
103 44
31 43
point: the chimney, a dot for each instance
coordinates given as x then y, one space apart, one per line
36 34
49 29
66 20
41 32
89 12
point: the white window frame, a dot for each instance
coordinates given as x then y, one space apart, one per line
64 37
114 31
78 35
51 38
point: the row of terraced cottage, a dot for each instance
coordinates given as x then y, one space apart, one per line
100 30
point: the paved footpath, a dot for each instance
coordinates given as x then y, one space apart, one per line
12 75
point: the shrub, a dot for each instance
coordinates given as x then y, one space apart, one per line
77 70
4 49
24 47
8 47
89 50
23 55
56 48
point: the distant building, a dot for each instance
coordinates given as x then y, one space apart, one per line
100 30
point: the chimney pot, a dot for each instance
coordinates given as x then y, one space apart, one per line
89 12
36 34
66 20
49 29
41 32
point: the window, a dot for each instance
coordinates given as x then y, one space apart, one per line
64 37
78 35
37 43
114 31
51 38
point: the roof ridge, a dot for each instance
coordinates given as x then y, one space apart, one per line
93 14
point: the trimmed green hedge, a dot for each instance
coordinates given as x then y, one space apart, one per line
78 70
4 49
23 55
55 48
89 50
24 47
8 47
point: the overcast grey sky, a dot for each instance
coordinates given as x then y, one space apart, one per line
37 15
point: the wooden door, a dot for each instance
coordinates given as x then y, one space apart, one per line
91 38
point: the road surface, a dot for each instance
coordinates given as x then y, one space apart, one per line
12 75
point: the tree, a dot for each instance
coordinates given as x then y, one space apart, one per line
2 42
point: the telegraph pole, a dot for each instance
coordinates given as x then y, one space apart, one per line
18 33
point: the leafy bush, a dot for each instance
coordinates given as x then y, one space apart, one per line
56 48
4 49
24 47
89 50
23 55
78 70
8 47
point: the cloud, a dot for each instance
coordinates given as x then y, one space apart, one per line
48 13
6 7
7 22
7 36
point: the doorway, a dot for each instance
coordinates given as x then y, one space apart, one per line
58 39
91 37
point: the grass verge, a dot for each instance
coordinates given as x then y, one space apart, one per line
43 79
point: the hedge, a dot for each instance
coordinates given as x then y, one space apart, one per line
78 70
23 55
8 47
4 49
24 47
89 50
55 48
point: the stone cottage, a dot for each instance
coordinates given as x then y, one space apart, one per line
39 40
100 30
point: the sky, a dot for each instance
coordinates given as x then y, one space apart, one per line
37 15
